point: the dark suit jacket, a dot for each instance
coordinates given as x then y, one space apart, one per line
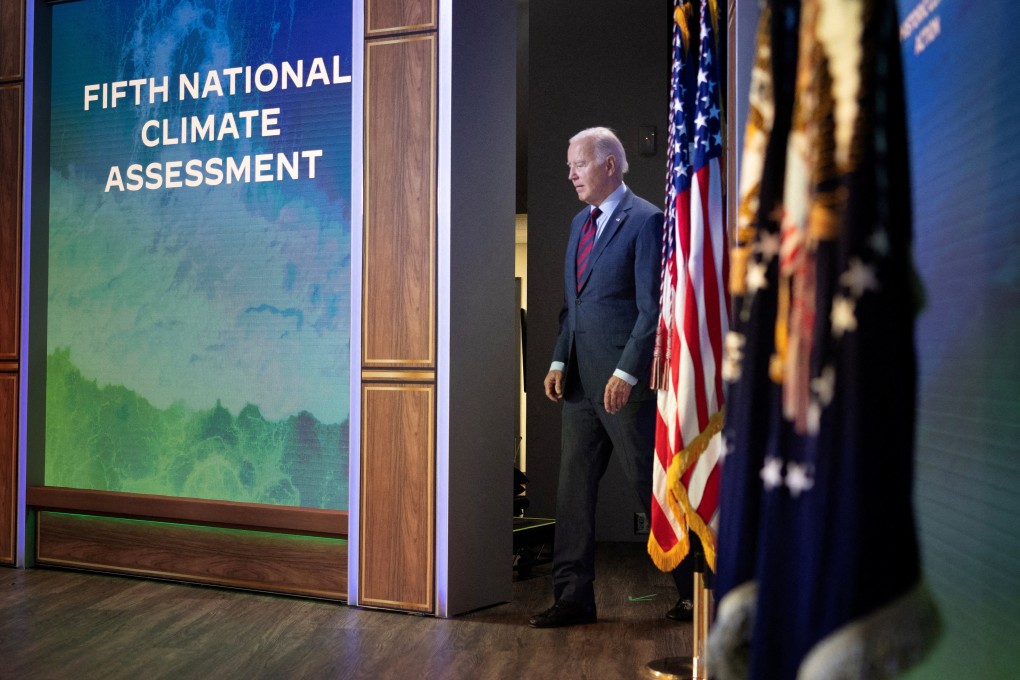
611 322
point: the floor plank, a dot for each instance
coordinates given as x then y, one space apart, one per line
67 625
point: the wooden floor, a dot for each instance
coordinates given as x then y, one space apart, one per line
57 625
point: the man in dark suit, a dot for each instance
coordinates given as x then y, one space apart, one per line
602 361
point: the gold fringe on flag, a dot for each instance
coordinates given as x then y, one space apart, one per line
668 560
777 362
680 502
739 257
682 15
713 9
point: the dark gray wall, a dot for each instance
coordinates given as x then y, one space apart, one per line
483 318
523 96
592 62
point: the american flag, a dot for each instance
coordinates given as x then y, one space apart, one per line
694 307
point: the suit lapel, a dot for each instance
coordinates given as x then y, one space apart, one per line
612 226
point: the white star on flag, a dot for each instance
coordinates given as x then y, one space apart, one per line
768 246
879 242
825 385
859 277
772 473
756 279
733 356
797 479
727 448
842 316
814 417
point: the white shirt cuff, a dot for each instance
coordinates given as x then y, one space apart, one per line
625 377
622 375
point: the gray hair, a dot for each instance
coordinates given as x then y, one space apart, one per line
606 144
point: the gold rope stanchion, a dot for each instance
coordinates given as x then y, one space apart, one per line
694 667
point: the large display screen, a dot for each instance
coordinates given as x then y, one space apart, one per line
963 101
199 279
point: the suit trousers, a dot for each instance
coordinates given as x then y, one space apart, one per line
590 436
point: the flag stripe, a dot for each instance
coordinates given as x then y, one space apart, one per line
715 250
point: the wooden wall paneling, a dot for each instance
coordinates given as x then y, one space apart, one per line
397 509
399 16
8 464
12 39
400 197
397 490
281 563
10 218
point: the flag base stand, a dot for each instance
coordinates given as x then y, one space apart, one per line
689 667
671 667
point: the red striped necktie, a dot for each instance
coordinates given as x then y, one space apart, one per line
585 244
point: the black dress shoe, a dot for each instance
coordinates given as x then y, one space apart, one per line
683 610
564 613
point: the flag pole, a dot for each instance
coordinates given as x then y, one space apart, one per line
694 667
702 620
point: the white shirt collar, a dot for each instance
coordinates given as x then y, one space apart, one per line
608 206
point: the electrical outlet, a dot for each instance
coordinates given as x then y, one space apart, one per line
641 523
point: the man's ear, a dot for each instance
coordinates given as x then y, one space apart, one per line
611 165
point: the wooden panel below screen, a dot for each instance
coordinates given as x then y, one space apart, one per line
296 565
397 492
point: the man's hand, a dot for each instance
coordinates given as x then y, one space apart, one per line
617 394
554 385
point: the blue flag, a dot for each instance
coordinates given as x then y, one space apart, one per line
818 565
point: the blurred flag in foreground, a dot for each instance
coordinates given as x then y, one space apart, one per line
819 571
